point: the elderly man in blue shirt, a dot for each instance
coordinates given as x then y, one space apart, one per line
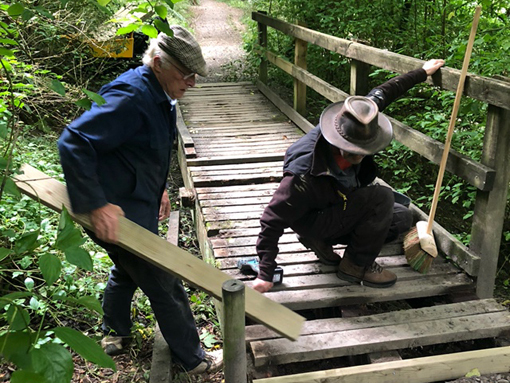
116 161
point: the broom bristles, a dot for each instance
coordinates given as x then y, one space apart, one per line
417 258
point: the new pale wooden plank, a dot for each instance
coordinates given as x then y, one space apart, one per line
158 251
418 370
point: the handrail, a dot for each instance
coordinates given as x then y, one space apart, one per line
491 91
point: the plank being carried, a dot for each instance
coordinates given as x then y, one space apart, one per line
171 258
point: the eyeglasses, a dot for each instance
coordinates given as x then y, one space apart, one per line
184 75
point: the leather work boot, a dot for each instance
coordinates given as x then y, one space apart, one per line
370 276
322 250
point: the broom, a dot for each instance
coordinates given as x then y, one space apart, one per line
419 244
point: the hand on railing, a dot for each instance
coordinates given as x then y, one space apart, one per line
432 66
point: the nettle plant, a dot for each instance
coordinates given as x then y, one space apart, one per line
44 261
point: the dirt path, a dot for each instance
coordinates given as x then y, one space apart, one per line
219 30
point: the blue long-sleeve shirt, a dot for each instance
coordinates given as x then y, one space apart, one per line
119 152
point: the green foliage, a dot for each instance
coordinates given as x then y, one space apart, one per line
46 265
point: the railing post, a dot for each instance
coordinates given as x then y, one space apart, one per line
234 346
262 29
359 78
300 88
489 210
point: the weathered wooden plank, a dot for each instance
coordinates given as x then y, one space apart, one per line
219 93
418 370
477 174
277 126
158 251
236 188
246 158
320 86
228 252
235 172
356 294
215 85
300 50
404 335
245 143
242 241
211 151
360 72
257 209
294 248
324 326
259 139
230 239
186 139
488 90
229 110
316 282
246 131
235 167
299 120
220 216
291 273
213 227
237 201
246 178
229 120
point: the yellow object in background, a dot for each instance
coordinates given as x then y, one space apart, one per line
119 47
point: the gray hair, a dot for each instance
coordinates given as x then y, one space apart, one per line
154 50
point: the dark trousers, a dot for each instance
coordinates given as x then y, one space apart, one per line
168 299
370 218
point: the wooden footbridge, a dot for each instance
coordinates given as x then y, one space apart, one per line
232 139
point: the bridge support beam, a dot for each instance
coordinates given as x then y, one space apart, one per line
489 211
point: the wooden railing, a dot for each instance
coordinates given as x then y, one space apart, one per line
490 176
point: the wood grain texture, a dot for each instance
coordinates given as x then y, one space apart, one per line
417 370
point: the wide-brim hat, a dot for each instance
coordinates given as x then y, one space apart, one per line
183 47
356 126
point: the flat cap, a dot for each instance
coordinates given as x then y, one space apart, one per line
183 46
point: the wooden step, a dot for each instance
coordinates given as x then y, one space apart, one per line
330 338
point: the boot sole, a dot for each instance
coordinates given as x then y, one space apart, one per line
353 279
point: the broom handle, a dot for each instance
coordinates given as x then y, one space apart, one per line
451 126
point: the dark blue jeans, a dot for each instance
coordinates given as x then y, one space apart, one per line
168 299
